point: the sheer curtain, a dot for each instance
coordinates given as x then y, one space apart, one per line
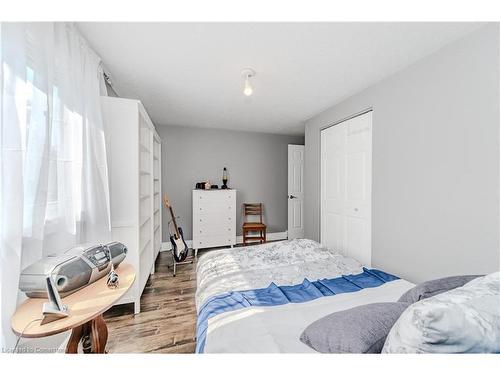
53 178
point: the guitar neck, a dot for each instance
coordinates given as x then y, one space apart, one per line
175 222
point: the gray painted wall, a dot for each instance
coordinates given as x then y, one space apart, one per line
435 162
257 165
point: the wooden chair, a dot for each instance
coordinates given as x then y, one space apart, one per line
253 209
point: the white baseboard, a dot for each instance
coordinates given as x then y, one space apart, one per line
276 236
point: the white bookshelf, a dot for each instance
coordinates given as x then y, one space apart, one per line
134 159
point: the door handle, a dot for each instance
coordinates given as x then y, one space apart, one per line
292 197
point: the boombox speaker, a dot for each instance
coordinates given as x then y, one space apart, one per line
72 270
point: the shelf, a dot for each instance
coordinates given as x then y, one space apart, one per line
144 148
144 173
156 158
157 227
144 221
142 197
157 210
157 179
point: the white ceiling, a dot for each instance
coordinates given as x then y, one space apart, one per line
189 73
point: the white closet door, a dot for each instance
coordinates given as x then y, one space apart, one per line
346 153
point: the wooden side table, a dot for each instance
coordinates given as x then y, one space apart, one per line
85 314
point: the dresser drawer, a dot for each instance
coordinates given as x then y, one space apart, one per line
213 229
213 207
219 218
217 195
212 241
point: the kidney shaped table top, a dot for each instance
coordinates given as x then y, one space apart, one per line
86 307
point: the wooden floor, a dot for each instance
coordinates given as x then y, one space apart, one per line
167 321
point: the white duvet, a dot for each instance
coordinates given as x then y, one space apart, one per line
252 267
277 329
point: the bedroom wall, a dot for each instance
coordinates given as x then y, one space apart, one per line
257 165
435 162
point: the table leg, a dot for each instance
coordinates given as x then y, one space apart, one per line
93 335
99 335
74 340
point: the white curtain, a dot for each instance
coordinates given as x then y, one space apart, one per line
53 179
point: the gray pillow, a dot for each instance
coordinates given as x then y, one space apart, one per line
362 329
433 287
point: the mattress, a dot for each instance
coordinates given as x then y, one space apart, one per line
275 329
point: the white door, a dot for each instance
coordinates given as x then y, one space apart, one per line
346 180
295 191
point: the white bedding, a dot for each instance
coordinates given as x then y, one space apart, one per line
252 267
277 329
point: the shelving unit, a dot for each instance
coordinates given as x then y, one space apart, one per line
134 157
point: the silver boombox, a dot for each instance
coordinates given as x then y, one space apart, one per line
72 270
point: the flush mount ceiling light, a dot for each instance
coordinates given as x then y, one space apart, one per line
247 74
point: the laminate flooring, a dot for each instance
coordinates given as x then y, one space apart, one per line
167 321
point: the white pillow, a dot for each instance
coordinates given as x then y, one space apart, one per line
462 320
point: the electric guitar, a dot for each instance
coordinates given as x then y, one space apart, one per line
179 248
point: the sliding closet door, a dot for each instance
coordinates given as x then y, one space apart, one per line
346 176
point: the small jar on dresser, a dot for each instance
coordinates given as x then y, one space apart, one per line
214 218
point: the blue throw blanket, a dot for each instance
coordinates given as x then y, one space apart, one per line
275 295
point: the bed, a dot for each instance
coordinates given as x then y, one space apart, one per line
259 299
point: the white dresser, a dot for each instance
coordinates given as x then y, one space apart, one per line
214 218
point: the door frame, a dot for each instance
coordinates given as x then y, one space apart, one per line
366 110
